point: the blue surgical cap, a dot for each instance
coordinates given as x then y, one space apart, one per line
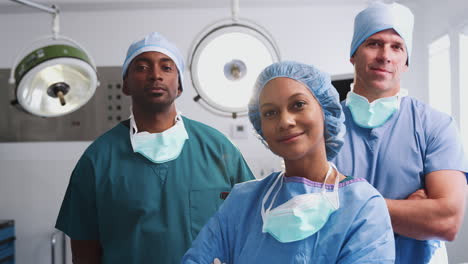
378 17
155 42
321 88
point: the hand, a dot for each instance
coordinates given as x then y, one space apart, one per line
217 261
418 195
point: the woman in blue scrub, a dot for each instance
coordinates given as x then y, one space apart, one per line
308 213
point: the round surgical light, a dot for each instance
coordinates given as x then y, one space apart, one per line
225 63
54 80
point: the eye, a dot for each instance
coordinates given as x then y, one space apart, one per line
167 68
398 47
141 67
374 44
269 113
299 105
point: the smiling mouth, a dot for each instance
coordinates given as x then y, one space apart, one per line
290 138
380 70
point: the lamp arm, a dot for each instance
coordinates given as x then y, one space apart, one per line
235 10
52 10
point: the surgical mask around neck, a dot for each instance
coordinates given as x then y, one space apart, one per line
375 114
301 216
159 147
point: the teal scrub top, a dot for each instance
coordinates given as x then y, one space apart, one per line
143 212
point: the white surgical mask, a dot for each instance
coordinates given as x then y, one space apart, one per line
301 216
159 147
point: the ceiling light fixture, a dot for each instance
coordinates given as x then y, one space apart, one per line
56 76
226 60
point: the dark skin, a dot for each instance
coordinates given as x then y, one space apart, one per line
152 80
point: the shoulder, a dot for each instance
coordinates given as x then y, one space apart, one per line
423 111
196 127
359 189
250 191
206 134
110 139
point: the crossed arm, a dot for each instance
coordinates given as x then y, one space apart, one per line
435 212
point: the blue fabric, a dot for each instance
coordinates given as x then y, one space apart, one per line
380 16
142 212
395 158
359 232
155 41
321 88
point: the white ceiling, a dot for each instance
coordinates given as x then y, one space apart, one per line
8 6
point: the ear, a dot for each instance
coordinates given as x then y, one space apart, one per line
125 88
179 91
351 60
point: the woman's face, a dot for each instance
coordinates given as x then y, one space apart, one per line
291 118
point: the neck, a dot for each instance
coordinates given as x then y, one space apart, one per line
156 121
372 93
313 167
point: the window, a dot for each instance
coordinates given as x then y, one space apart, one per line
439 75
463 64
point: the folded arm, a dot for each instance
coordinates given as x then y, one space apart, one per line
435 212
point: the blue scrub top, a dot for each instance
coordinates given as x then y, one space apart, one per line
396 157
142 212
358 232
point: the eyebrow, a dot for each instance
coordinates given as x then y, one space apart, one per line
166 60
143 59
289 98
371 39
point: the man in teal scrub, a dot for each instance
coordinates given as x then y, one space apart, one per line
143 190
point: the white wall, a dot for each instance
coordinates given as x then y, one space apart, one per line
436 19
34 176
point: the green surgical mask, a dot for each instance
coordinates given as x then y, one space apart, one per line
375 114
159 147
301 216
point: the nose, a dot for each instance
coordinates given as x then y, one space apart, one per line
286 121
155 74
384 54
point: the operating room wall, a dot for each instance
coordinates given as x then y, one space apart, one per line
439 18
34 176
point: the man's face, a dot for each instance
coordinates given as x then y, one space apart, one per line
152 80
378 63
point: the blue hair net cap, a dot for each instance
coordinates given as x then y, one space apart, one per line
378 17
320 85
155 42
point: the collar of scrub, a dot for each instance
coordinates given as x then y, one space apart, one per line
178 118
402 93
134 129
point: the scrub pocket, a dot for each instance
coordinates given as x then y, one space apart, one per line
203 205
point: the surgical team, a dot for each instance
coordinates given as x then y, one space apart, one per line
377 178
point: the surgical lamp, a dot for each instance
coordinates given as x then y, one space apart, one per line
56 76
226 60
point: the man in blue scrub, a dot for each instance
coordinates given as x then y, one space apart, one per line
410 152
143 190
